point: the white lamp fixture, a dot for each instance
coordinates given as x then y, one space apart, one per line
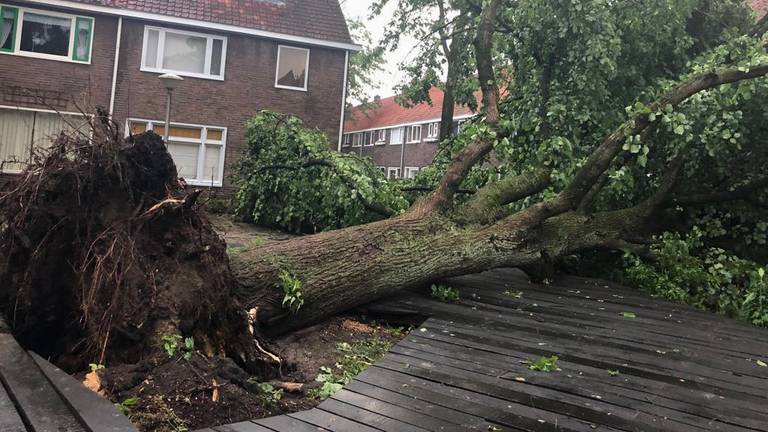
171 82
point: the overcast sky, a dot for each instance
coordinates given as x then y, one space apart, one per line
390 76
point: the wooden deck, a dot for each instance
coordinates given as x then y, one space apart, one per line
36 396
673 368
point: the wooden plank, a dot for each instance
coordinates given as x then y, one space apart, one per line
668 395
367 417
582 386
438 397
94 412
393 411
245 426
588 409
665 367
9 417
285 423
39 404
330 421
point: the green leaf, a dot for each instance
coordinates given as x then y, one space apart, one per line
761 363
628 315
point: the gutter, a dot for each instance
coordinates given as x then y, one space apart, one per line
68 4
343 100
117 63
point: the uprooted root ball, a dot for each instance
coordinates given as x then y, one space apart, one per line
101 255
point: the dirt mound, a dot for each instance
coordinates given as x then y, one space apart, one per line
102 254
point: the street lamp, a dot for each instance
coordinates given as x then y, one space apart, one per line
170 81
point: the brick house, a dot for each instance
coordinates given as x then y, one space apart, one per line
400 140
62 58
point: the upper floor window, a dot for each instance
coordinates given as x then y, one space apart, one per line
43 34
382 136
411 172
185 53
396 136
460 126
414 134
292 68
347 140
434 130
357 139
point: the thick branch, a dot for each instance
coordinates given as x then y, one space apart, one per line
473 153
745 192
602 157
487 205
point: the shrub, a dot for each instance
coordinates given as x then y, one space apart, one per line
290 178
709 278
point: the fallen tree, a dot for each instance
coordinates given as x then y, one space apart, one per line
98 235
436 238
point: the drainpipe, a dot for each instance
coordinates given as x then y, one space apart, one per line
114 70
402 152
343 100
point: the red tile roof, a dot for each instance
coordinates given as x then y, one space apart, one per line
759 6
388 113
318 19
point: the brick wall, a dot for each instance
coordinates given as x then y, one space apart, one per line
63 86
248 85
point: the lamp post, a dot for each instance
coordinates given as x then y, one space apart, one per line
170 81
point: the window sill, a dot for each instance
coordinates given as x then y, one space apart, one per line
396 143
182 74
431 139
203 183
413 142
379 143
278 86
44 57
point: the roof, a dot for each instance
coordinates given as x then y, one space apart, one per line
315 19
389 113
759 6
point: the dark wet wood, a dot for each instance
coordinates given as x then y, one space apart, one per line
672 368
36 396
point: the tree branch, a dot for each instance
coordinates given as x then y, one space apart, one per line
745 192
473 153
487 205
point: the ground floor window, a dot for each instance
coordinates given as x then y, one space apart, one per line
393 172
197 150
23 131
410 172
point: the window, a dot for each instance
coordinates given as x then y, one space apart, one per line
347 140
357 139
292 67
185 53
369 138
382 137
22 131
414 134
383 169
410 172
198 151
43 34
433 131
460 126
396 136
393 172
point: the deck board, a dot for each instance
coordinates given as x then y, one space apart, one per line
466 366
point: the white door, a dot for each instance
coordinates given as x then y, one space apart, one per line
21 131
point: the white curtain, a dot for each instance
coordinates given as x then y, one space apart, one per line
184 53
7 25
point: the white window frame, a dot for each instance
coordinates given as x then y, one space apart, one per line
460 125
203 142
395 170
161 50
433 130
368 138
73 31
383 169
357 139
409 170
306 69
381 137
402 136
347 140
410 134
